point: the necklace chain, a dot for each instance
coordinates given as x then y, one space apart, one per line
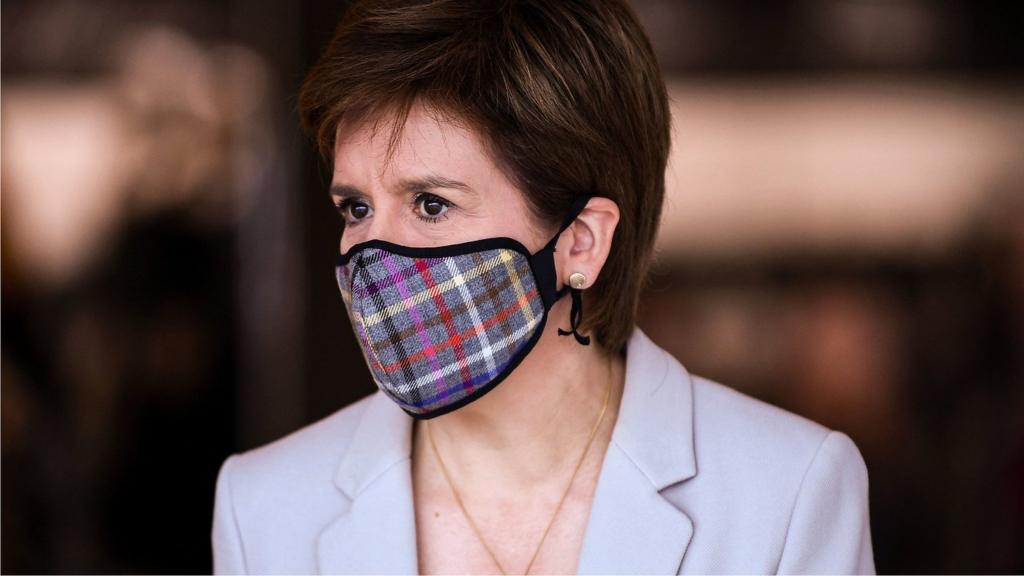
572 479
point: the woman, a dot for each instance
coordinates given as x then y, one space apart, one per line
499 167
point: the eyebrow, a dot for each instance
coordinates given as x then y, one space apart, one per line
408 185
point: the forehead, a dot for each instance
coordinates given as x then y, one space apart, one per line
428 140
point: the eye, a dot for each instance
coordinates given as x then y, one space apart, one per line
431 208
353 210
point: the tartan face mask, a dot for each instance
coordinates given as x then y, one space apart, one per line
440 327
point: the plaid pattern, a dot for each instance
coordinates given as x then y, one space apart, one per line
435 330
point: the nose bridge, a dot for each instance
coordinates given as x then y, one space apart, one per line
388 224
385 224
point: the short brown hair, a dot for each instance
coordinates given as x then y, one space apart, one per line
566 95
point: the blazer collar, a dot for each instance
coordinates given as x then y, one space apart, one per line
631 528
376 534
655 422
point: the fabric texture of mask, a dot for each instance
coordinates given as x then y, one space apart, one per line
440 327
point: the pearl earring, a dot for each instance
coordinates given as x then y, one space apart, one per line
577 280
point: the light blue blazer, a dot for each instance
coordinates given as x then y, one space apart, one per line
697 478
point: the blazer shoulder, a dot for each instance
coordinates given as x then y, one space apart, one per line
769 476
724 414
736 434
271 501
312 451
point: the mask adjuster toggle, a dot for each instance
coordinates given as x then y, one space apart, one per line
575 316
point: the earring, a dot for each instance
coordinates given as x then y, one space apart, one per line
577 280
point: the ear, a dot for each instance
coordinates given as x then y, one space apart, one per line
586 246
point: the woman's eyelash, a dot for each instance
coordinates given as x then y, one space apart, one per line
342 206
344 209
426 196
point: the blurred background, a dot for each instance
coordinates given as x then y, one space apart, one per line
843 237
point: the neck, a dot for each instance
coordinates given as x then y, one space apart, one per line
536 422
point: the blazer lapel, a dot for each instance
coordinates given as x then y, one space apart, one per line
377 533
632 527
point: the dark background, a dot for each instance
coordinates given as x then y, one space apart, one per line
168 249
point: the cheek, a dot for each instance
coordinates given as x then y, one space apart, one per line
507 213
519 222
353 234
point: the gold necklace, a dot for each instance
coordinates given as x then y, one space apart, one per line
579 464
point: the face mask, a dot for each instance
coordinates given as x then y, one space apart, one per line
442 326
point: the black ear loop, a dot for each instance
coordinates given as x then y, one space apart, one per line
576 313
